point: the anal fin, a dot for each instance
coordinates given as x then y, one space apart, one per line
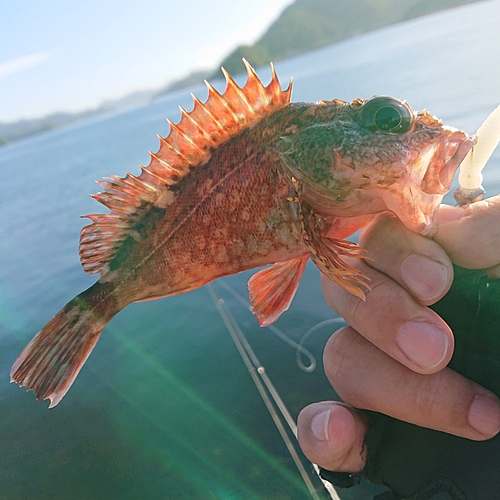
272 289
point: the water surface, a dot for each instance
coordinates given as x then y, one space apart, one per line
164 407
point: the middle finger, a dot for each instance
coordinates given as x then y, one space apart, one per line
392 320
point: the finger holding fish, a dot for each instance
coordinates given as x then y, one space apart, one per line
418 264
407 272
442 399
332 434
391 319
471 234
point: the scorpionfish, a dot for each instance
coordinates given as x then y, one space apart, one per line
246 179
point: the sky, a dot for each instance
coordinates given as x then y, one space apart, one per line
60 55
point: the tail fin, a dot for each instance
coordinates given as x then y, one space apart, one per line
49 364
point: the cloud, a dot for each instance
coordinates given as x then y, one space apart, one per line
18 64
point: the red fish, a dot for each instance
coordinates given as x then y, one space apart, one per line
244 180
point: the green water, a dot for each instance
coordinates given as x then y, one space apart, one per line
165 408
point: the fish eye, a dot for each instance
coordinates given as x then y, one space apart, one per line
386 114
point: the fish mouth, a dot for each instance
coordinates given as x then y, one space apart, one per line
416 201
445 161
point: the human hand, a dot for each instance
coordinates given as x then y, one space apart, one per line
393 357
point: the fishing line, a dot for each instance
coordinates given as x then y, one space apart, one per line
299 347
301 350
262 382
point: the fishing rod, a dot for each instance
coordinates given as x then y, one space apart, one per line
268 392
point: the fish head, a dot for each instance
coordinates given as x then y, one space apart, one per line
373 156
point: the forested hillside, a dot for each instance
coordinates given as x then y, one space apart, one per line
303 26
309 24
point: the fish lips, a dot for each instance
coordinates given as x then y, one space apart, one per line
417 198
445 162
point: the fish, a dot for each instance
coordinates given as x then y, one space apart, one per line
244 180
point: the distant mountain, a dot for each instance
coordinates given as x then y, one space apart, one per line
309 24
17 130
303 26
13 131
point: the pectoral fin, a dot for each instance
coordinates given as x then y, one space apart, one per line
272 289
327 253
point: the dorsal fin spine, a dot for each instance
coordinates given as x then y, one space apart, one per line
106 200
162 162
122 183
156 178
201 106
140 184
169 169
157 182
170 147
168 178
255 84
231 85
216 97
275 87
188 117
179 131
188 144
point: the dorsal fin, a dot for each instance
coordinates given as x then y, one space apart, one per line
187 145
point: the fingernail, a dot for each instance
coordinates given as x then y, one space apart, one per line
484 415
319 425
426 278
424 343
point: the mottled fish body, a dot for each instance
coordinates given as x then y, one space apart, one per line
244 180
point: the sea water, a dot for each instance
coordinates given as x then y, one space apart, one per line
164 407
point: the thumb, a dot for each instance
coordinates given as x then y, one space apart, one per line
471 235
332 435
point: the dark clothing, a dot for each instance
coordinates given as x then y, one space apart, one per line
421 464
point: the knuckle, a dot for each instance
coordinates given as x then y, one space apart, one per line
338 359
428 396
436 403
